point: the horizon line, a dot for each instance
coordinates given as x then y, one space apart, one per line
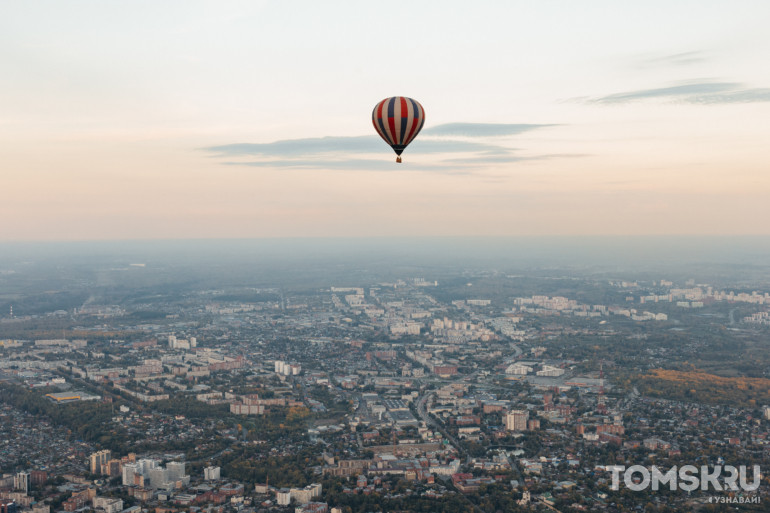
391 237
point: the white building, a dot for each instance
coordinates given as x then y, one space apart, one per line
518 369
452 467
108 504
516 420
306 494
21 482
406 328
767 412
159 477
283 497
179 343
287 369
145 465
129 471
211 473
169 478
176 471
550 371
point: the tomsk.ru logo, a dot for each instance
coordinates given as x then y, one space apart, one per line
686 477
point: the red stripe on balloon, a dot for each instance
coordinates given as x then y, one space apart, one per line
411 132
392 126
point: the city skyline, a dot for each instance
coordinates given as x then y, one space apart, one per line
253 119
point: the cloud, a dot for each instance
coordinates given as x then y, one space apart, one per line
386 164
513 158
338 145
675 59
740 96
706 93
299 147
336 152
457 166
479 129
679 91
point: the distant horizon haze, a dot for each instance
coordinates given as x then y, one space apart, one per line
662 252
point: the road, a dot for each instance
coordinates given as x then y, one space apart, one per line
548 506
423 413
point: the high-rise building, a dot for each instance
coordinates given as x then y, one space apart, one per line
146 465
38 477
211 473
516 420
176 471
98 459
21 482
129 471
287 369
306 494
158 477
283 497
111 468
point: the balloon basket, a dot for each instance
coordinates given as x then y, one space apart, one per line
398 159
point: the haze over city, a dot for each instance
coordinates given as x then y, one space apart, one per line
193 119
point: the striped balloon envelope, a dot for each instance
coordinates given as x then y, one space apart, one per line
398 120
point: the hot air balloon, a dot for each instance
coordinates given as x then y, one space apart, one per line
398 120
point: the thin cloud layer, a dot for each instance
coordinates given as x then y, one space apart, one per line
706 93
347 164
480 129
298 147
741 96
335 145
346 152
675 59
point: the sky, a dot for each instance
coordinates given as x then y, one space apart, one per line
247 119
